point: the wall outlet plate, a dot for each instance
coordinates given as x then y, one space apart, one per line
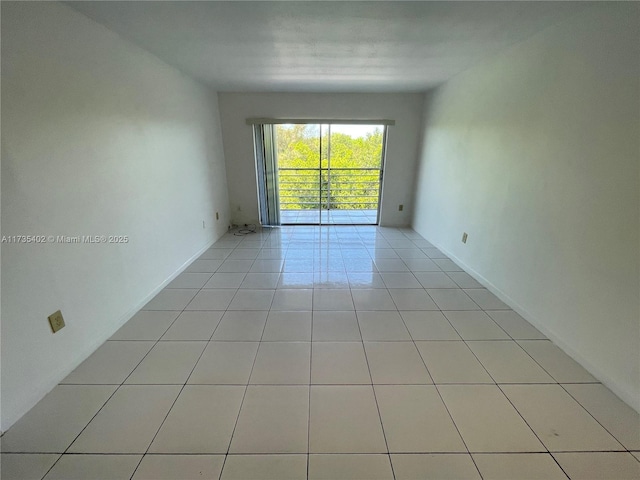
464 237
56 321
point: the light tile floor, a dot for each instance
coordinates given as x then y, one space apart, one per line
326 353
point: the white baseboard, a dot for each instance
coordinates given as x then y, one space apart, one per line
626 396
39 392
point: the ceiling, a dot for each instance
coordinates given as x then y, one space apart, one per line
333 46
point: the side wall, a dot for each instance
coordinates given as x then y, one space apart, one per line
98 138
402 143
535 154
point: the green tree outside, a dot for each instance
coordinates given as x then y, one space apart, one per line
352 183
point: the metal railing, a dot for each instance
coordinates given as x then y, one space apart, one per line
329 188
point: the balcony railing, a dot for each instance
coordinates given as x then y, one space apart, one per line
329 188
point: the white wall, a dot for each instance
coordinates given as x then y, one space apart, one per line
402 144
98 138
535 154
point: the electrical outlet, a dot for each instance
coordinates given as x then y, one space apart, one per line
56 321
400 207
217 216
464 237
203 224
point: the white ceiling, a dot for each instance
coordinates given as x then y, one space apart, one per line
335 46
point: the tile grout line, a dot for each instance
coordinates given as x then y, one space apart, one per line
438 390
557 382
186 379
442 400
375 398
117 388
244 396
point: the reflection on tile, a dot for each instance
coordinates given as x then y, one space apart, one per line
332 299
391 265
295 280
400 280
365 280
309 352
292 299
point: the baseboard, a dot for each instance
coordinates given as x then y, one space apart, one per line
626 396
39 393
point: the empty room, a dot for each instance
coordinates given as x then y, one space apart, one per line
320 240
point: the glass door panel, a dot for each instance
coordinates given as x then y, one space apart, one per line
329 174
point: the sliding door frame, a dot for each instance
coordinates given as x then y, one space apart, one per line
267 168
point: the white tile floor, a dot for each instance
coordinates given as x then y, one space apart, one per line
326 353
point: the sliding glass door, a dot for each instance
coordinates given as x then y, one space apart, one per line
328 174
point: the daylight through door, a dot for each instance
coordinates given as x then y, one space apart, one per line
329 174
